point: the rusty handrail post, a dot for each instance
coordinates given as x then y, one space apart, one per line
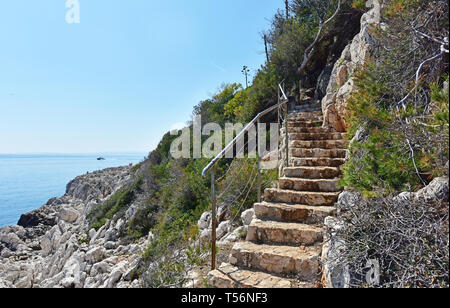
258 156
214 218
280 142
286 131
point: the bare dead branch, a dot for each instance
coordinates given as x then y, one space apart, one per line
309 52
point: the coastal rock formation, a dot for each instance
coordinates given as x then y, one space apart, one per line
363 47
53 246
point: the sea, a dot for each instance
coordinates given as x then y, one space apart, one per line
28 181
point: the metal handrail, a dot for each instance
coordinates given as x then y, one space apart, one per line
241 134
211 166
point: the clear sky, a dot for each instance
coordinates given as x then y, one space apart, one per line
123 76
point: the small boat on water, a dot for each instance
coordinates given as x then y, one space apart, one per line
101 158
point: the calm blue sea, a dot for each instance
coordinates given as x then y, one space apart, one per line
28 181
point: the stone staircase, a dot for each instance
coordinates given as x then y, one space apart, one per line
284 240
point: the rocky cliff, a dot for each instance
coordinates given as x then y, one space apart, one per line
54 247
362 48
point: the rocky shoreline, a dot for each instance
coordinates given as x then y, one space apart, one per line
53 246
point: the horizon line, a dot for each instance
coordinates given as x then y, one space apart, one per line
76 153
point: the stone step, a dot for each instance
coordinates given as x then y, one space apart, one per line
315 106
320 144
310 105
330 153
298 184
304 262
301 197
302 116
284 233
316 162
304 109
312 172
317 136
293 212
317 123
231 277
310 130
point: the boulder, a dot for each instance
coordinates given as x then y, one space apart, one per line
116 274
322 81
68 283
204 221
241 232
5 284
436 191
111 235
92 233
247 216
43 216
229 238
95 255
110 245
223 229
128 275
10 240
348 199
68 214
6 253
335 275
100 268
49 240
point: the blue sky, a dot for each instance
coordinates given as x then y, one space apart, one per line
121 78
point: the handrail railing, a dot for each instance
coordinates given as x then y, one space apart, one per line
242 133
211 166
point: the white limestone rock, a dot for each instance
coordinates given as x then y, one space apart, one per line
247 217
95 255
223 229
204 221
69 215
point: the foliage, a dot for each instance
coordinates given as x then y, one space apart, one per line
117 203
213 110
181 194
401 123
378 161
141 223
359 4
287 40
176 194
181 197
238 190
168 265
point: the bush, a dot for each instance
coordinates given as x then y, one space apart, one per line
409 240
141 224
402 125
118 202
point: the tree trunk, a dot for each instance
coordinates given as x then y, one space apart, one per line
267 49
286 3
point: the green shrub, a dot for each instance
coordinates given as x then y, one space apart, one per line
359 5
118 202
402 125
142 222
